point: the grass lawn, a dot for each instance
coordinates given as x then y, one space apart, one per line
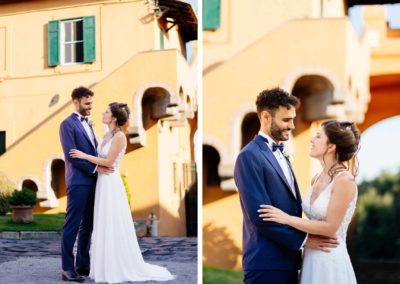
42 222
213 275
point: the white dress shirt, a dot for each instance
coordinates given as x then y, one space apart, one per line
87 128
89 132
282 162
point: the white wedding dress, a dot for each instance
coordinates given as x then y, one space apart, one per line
333 267
115 252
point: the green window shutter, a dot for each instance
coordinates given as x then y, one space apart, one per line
89 39
2 142
161 39
53 30
211 14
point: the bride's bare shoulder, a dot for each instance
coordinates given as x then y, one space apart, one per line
345 183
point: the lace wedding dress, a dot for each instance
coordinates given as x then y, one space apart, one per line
333 267
115 252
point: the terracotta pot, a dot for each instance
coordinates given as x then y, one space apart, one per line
22 213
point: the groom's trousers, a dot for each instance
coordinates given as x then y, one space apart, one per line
78 222
271 277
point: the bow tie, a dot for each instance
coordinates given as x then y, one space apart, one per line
82 118
277 146
274 145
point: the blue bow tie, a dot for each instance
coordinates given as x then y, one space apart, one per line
274 145
277 146
82 118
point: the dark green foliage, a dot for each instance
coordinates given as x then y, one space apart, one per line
378 217
23 197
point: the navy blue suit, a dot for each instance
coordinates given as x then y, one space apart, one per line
271 251
81 179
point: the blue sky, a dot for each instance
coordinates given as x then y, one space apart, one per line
380 148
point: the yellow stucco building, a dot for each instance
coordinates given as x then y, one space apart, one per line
124 50
306 47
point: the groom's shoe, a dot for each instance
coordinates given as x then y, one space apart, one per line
83 271
71 276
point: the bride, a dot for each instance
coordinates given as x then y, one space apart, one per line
329 205
115 253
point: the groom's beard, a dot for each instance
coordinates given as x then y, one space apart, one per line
84 111
277 133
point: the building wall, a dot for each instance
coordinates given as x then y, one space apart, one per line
244 22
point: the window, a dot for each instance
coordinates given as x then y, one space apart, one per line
71 41
71 44
2 142
211 14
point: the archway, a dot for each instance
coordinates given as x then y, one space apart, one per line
316 93
32 186
58 178
250 127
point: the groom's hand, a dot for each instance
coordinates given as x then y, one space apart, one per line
321 243
105 170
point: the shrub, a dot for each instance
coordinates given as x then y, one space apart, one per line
23 197
7 187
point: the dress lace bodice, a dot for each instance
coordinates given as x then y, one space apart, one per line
103 150
318 210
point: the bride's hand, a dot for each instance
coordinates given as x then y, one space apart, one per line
273 214
77 154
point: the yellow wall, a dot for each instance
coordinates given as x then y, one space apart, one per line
244 22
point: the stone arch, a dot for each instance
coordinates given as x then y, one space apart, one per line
385 99
29 184
30 181
220 148
236 129
54 168
250 127
159 100
291 78
211 162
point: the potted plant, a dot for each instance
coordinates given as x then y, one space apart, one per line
21 204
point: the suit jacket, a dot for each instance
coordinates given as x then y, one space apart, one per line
260 180
74 136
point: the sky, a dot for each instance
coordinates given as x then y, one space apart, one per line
189 48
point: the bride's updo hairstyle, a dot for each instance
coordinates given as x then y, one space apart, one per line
120 112
346 136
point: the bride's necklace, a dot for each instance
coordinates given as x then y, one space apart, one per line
115 131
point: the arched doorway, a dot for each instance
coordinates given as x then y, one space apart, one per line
58 178
32 186
250 127
316 93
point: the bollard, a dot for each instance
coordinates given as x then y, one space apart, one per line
153 225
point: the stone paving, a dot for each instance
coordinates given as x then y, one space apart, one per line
39 261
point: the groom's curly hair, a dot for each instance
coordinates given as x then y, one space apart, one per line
80 92
272 99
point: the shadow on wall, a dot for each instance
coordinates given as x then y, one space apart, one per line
219 248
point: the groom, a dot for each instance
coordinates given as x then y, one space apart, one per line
263 175
80 176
